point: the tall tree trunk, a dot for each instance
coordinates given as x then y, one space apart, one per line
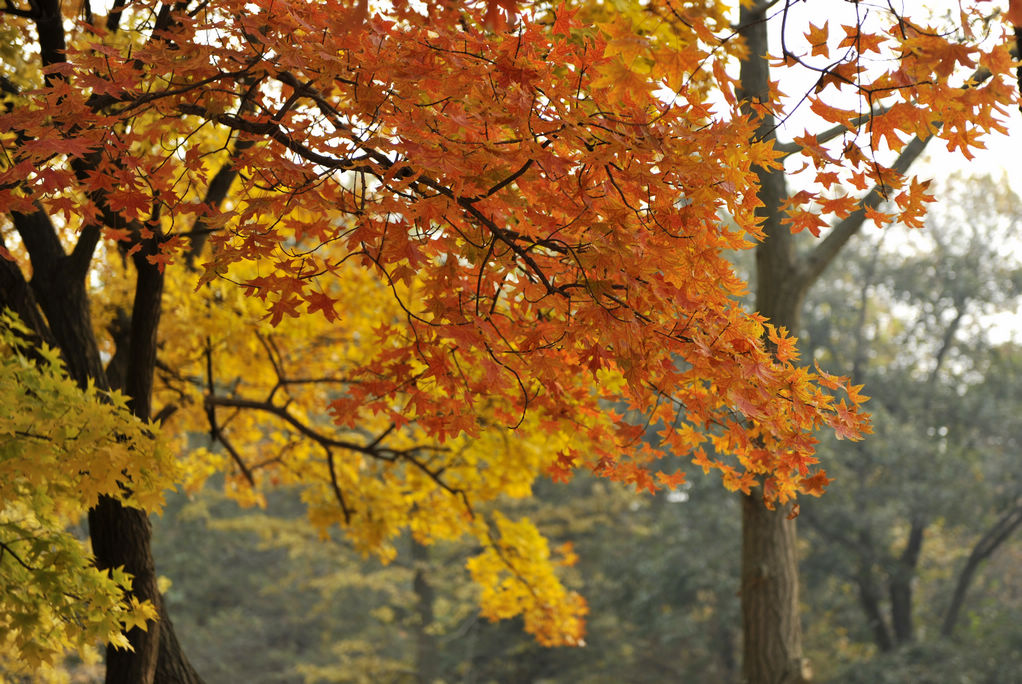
772 649
120 535
773 638
772 646
900 585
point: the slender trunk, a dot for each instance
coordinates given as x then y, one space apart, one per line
869 599
900 585
426 665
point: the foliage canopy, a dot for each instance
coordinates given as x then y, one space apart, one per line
417 256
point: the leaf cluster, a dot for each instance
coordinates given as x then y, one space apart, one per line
61 448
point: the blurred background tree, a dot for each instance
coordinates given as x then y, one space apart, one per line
898 549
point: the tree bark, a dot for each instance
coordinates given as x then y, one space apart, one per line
772 649
120 535
120 538
172 667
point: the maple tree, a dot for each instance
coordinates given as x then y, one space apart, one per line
60 449
413 258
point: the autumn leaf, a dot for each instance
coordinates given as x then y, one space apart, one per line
817 37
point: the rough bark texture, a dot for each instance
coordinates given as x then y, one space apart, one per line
772 649
172 667
120 535
772 633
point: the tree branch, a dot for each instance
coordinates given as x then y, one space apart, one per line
17 295
900 585
984 547
219 186
789 148
302 428
49 24
827 249
338 494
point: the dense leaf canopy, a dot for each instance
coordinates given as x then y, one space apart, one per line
417 256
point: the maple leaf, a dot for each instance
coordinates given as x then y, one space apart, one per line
671 481
565 20
801 219
886 128
860 40
319 301
814 484
832 114
817 37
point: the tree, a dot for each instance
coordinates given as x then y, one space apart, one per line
910 99
934 493
455 222
60 449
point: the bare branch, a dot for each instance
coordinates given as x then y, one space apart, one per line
338 494
375 451
789 148
985 547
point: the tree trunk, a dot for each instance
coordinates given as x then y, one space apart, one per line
901 585
120 535
772 649
426 653
172 667
772 646
869 599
